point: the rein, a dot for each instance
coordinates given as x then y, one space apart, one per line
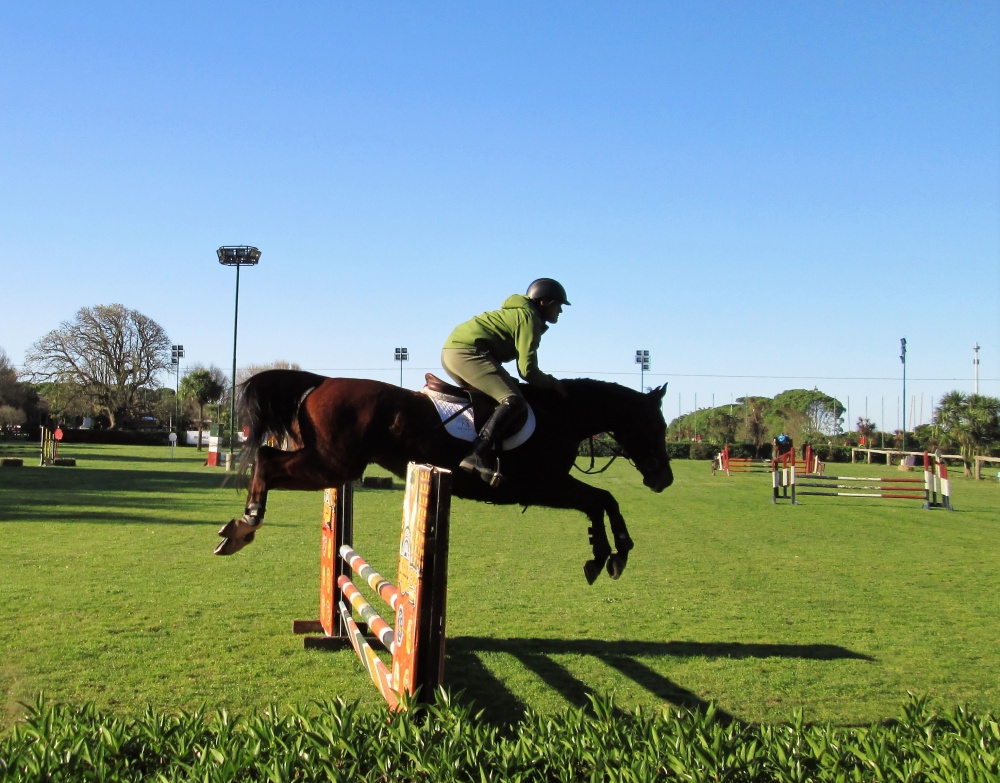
590 470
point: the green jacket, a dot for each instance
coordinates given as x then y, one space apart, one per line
512 332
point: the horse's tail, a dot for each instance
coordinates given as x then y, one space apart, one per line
268 404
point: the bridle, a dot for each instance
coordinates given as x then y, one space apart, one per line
647 466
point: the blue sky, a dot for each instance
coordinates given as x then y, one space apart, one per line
765 196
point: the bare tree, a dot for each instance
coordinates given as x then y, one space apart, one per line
245 373
110 351
8 378
754 428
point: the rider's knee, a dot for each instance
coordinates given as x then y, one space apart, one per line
515 404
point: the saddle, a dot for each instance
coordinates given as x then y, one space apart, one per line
439 386
457 407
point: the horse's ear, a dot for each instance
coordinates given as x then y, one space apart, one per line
659 394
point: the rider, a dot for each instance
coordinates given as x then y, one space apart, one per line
782 445
474 353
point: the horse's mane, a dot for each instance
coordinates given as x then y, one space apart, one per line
606 391
585 396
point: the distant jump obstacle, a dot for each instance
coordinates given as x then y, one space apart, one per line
809 463
50 449
934 488
417 599
49 446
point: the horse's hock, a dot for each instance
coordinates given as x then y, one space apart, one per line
417 599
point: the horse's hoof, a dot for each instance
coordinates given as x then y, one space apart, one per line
616 564
232 542
624 544
227 529
591 570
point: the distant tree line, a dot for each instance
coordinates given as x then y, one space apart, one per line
105 363
965 424
104 366
805 416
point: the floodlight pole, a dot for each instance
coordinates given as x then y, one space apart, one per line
975 362
237 256
902 358
402 355
642 359
176 354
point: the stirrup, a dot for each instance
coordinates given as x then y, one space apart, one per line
474 463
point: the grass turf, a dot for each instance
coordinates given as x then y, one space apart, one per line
109 593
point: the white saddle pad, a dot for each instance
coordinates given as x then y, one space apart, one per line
456 413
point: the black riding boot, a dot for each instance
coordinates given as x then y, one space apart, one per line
482 460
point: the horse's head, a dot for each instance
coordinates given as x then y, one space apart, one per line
641 432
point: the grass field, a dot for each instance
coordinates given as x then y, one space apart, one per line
109 593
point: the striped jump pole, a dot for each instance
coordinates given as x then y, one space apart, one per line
938 484
786 464
48 448
781 479
417 600
925 489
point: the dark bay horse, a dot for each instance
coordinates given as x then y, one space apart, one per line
338 426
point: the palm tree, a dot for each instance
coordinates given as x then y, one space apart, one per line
968 422
866 429
754 423
203 387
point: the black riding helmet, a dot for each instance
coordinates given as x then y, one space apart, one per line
547 288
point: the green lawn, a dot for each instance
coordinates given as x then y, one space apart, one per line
109 593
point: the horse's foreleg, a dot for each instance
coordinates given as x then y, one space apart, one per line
600 547
615 561
623 541
595 503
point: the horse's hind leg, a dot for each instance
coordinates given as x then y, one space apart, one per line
239 532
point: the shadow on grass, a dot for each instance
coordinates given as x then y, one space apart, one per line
100 495
97 456
486 692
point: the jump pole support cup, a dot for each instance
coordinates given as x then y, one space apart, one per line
417 600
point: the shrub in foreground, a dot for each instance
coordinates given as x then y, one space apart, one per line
334 741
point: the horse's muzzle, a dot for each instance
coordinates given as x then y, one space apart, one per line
659 479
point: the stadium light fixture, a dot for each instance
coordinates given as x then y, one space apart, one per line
176 354
236 255
642 359
902 358
402 355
